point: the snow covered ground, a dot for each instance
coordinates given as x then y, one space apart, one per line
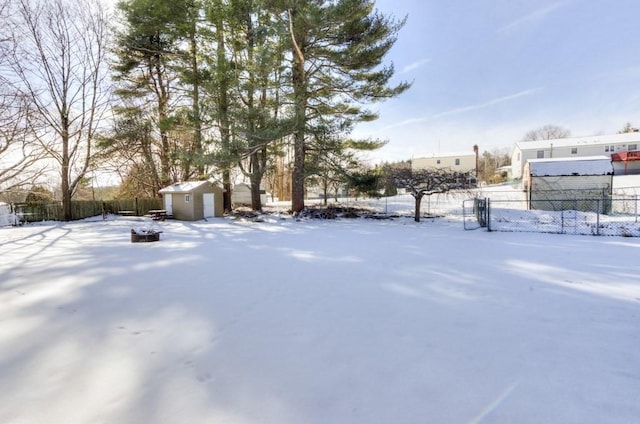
304 321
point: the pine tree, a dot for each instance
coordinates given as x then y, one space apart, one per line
337 50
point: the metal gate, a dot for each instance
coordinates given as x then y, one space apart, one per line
475 213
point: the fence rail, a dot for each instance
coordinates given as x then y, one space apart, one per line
605 216
80 209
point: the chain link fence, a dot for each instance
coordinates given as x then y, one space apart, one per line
604 216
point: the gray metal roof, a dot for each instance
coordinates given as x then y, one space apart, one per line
588 165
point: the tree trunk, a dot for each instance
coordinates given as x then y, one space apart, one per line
418 198
226 186
256 201
325 190
197 130
223 112
66 192
297 175
162 94
298 78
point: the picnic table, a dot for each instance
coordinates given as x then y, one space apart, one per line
158 214
23 217
127 213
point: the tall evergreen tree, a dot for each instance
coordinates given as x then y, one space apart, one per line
160 65
258 55
337 50
219 90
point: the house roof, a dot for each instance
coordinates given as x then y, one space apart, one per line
445 155
588 165
594 140
183 187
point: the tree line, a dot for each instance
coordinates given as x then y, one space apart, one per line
164 91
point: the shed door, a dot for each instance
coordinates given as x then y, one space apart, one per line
168 203
208 204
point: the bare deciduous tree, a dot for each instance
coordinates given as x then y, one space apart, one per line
425 182
20 158
547 132
57 60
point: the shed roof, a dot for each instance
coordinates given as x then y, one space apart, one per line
588 165
183 187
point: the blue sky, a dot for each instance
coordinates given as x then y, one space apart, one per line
487 71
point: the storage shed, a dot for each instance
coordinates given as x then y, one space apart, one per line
193 200
569 183
241 195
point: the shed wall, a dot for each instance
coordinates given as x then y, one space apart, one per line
194 209
181 209
555 192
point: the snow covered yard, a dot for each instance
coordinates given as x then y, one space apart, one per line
289 322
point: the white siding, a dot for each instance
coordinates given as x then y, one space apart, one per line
562 148
465 162
241 195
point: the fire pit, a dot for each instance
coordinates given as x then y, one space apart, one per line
142 236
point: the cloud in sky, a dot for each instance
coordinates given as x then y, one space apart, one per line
463 109
488 79
535 16
487 104
415 65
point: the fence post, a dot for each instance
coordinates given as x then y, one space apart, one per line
598 218
488 200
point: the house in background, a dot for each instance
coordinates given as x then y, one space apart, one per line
612 146
569 183
626 162
193 200
241 195
459 162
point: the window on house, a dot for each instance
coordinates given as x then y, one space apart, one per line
187 198
609 149
457 161
632 147
540 154
518 157
574 150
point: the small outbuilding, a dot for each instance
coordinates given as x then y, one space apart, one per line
193 200
241 195
569 183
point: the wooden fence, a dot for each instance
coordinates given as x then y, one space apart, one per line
80 209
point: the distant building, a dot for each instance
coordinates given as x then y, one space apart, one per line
459 162
614 146
568 183
241 195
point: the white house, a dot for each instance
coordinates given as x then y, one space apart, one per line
568 183
241 195
460 162
609 145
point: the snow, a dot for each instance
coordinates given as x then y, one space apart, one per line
633 138
183 187
6 217
305 321
587 165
